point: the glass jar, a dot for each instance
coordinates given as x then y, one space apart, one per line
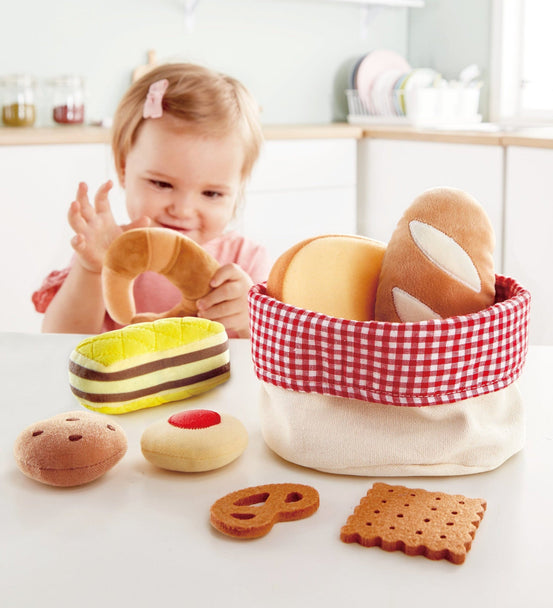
18 100
68 94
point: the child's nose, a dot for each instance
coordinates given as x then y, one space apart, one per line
182 204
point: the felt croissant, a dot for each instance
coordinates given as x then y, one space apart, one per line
160 250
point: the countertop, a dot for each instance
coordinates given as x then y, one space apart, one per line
481 134
140 536
77 134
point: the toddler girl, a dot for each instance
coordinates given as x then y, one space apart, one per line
184 142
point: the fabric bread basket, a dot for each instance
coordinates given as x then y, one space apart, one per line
392 399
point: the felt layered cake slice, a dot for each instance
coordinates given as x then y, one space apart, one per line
148 364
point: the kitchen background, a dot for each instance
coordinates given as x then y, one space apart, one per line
294 55
297 57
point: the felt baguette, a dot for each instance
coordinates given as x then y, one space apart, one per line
167 252
439 261
336 275
148 364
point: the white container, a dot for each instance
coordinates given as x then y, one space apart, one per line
434 106
469 100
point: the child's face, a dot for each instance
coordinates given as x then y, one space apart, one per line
182 180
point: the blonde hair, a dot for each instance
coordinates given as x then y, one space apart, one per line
212 103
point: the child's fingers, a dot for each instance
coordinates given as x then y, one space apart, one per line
75 218
78 243
228 291
227 314
225 273
101 200
82 200
82 192
216 311
229 284
86 260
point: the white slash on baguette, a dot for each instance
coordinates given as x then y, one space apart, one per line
446 254
410 309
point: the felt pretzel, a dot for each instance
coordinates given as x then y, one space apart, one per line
160 250
252 512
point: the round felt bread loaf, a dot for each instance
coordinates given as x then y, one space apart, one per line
70 449
439 261
336 275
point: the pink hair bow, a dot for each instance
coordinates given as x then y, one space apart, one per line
152 105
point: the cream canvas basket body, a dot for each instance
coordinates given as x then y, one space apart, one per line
392 399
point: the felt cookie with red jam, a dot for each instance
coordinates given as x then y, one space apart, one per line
194 440
70 449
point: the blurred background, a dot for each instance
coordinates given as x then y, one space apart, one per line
295 55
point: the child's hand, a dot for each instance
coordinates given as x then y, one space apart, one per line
95 227
228 302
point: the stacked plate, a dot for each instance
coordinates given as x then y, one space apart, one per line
379 81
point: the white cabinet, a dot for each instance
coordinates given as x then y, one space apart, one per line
300 188
392 173
36 187
528 232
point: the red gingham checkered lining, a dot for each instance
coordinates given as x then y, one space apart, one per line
409 364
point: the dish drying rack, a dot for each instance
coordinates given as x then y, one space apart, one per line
360 113
427 106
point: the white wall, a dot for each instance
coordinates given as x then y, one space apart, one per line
294 55
447 35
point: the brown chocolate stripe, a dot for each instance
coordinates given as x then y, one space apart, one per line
150 390
146 368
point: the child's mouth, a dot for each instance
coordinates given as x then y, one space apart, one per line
180 229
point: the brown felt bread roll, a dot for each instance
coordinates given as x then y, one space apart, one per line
70 449
439 261
336 275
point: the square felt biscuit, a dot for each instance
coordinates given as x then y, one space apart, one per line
417 522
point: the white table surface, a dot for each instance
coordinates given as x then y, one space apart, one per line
140 536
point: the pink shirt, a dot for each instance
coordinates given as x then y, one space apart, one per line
154 293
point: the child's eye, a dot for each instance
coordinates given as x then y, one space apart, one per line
159 184
211 194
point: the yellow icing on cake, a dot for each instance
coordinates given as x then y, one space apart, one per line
147 338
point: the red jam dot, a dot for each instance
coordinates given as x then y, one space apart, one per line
195 419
